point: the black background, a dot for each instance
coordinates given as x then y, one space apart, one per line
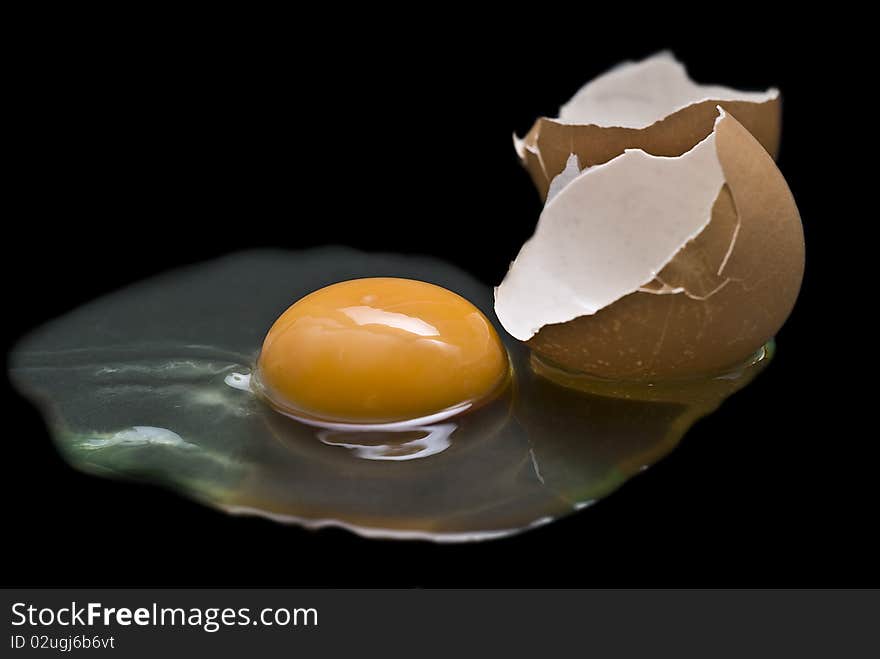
146 148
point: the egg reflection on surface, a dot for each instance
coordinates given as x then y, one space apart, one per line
380 350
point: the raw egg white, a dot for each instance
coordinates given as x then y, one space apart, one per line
170 403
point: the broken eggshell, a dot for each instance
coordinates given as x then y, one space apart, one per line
651 267
650 105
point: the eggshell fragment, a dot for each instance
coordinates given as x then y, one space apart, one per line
590 291
650 105
605 234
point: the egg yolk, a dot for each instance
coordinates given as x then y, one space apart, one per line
380 350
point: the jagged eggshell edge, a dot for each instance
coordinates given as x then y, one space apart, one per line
545 149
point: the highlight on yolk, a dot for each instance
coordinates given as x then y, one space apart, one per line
380 350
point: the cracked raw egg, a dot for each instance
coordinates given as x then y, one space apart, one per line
175 398
380 350
668 253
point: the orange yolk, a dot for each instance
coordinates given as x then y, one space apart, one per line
380 350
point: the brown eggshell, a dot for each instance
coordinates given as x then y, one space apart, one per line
741 277
549 143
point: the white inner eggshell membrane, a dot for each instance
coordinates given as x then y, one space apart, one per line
637 94
606 233
570 173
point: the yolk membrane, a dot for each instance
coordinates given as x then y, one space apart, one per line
380 350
